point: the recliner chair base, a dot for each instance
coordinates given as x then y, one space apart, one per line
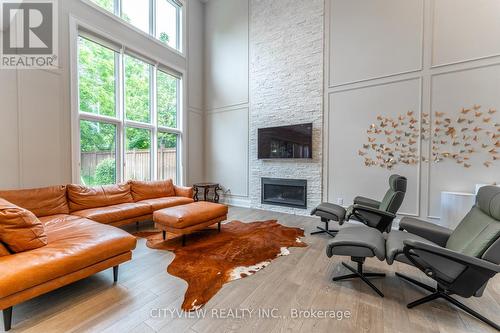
441 293
325 230
359 273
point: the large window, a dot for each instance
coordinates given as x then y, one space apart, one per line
97 79
137 90
128 116
159 18
98 153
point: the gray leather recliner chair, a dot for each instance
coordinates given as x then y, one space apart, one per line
461 261
373 213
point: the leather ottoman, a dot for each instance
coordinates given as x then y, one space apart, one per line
186 219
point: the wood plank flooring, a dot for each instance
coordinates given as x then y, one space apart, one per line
302 281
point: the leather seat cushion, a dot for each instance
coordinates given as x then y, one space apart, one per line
358 241
73 244
115 213
394 245
160 203
20 229
83 197
188 215
143 190
40 201
58 218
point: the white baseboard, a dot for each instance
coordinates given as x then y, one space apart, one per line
237 201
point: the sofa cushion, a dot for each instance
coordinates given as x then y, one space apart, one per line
142 190
40 201
160 203
20 229
83 197
3 250
73 244
182 191
115 213
59 218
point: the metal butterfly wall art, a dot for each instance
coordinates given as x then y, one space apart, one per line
472 131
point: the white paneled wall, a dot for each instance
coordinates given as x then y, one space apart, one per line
9 130
195 158
351 113
451 91
387 57
34 130
464 30
373 39
226 97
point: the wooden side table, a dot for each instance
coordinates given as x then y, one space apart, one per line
206 187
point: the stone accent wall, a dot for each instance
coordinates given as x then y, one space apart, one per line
286 87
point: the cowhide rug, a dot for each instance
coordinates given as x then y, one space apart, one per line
211 259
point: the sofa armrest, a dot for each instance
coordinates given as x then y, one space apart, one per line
367 202
430 231
182 191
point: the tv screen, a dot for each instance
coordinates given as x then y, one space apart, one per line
293 141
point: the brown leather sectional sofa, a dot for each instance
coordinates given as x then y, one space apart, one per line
53 236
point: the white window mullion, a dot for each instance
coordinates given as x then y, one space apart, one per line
152 17
178 28
179 103
169 130
180 126
136 124
118 8
98 118
121 115
154 120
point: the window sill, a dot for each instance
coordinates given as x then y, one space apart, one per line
130 26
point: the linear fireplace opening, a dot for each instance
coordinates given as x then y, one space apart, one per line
284 192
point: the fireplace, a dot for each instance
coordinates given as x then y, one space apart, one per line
284 192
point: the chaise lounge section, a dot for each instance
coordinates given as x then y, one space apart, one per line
53 236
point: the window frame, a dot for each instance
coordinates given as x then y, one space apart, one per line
181 11
120 121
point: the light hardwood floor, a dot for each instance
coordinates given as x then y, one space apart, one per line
301 281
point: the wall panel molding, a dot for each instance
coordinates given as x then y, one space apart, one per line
194 110
462 10
231 107
329 36
421 152
239 163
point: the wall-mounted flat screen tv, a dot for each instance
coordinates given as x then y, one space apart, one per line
293 141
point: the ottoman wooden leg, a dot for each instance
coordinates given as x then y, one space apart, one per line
218 226
183 240
164 235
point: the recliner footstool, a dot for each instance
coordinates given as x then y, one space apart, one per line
329 212
359 243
